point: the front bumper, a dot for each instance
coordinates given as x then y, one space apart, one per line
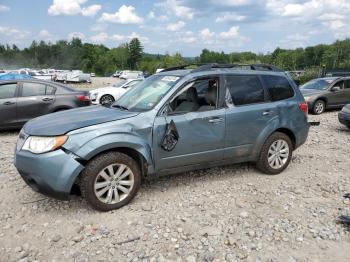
344 118
52 174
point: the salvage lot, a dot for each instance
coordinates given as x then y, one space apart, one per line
230 213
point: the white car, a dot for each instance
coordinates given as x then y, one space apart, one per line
108 95
127 74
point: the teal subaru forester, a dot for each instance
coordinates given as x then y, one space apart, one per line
178 120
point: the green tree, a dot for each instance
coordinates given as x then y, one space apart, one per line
135 52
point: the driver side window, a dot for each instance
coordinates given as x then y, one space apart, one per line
197 96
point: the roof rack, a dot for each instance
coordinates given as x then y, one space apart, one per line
261 67
206 67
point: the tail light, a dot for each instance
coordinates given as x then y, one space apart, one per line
83 98
303 107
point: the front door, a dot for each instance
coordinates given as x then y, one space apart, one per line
200 124
8 105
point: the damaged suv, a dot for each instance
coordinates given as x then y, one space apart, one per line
178 120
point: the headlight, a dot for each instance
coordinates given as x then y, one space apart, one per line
41 144
93 96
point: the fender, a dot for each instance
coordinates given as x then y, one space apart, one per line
115 140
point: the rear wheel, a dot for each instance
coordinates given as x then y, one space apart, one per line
275 154
319 107
110 181
106 100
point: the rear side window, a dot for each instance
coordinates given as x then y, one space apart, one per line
33 89
245 89
7 91
279 87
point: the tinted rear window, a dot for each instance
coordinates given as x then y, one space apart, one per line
245 89
278 87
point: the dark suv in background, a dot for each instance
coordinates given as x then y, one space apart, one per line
174 121
22 100
326 93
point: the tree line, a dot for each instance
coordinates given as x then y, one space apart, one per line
104 61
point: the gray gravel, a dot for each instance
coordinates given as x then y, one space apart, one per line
230 213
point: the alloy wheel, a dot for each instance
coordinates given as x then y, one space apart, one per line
113 183
319 107
278 154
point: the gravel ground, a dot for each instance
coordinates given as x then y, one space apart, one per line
230 213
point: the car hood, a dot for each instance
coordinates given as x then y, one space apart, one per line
310 92
63 122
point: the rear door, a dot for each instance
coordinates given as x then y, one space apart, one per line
8 105
247 114
33 101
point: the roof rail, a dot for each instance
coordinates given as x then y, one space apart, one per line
206 67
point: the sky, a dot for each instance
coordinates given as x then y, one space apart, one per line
185 26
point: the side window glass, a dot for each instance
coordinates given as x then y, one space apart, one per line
199 95
245 90
33 89
7 91
50 90
347 84
278 87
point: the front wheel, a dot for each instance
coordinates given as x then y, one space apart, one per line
110 181
106 100
275 154
319 107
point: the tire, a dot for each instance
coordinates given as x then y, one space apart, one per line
106 100
319 107
94 174
263 163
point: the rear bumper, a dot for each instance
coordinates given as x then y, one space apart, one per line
52 174
344 118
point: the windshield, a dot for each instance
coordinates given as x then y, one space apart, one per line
146 94
120 83
318 84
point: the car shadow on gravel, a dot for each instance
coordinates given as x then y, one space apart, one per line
152 186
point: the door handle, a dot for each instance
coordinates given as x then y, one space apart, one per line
46 99
216 120
266 113
8 103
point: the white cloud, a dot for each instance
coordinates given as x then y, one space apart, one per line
72 7
90 10
13 32
230 17
231 2
176 26
99 38
175 7
104 37
151 15
44 34
76 35
4 8
232 33
206 34
125 15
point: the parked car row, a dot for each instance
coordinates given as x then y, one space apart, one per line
129 74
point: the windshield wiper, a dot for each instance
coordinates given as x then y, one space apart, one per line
120 107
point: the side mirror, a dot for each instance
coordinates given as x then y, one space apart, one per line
335 89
